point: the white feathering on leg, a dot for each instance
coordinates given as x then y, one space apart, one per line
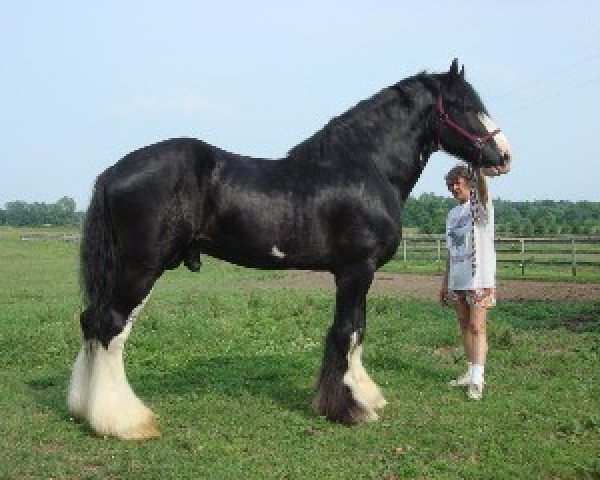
79 384
100 393
113 408
364 390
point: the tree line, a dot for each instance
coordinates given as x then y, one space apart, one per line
22 214
426 212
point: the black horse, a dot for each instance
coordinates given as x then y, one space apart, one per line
334 203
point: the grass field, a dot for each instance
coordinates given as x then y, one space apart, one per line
230 368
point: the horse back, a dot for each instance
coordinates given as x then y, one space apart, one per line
183 196
294 214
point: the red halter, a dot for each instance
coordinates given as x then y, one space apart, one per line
477 141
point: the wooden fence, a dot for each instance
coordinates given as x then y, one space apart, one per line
573 252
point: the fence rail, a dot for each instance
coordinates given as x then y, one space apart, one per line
573 252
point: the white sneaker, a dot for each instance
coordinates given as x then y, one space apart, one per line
475 391
462 381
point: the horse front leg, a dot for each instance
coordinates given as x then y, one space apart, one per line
345 392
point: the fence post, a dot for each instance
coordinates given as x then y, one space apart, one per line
574 261
404 249
522 256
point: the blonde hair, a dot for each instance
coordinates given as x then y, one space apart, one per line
462 171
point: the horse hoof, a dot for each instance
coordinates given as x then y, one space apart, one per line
379 403
353 417
145 428
365 415
146 431
348 411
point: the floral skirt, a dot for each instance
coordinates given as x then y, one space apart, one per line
480 297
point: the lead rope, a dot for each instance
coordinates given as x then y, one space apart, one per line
475 206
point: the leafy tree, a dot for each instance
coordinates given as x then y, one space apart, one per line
515 227
544 217
22 214
18 214
528 228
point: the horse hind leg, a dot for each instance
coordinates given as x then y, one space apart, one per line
99 391
114 409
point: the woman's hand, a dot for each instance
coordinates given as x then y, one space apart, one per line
497 170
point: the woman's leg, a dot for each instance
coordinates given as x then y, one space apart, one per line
479 347
478 334
463 314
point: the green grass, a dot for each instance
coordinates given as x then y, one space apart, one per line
230 366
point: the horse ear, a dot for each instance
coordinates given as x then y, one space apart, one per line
462 72
454 68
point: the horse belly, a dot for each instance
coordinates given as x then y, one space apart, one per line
263 242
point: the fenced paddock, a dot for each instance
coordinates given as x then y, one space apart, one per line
230 368
575 256
41 236
568 254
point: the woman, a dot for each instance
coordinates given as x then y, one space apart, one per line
469 282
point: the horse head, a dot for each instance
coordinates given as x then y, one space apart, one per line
464 127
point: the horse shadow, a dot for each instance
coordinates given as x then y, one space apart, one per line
396 369
288 381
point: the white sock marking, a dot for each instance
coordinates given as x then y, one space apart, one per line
79 385
364 390
99 390
113 408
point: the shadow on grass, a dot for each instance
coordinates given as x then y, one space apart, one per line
286 380
542 315
403 371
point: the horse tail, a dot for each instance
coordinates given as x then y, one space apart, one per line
99 268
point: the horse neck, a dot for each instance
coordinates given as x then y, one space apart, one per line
403 135
392 129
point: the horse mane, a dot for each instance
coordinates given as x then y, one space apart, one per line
355 127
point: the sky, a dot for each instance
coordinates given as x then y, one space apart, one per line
83 83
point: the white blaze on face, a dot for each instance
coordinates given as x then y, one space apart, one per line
499 138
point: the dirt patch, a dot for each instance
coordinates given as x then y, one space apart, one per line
428 286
